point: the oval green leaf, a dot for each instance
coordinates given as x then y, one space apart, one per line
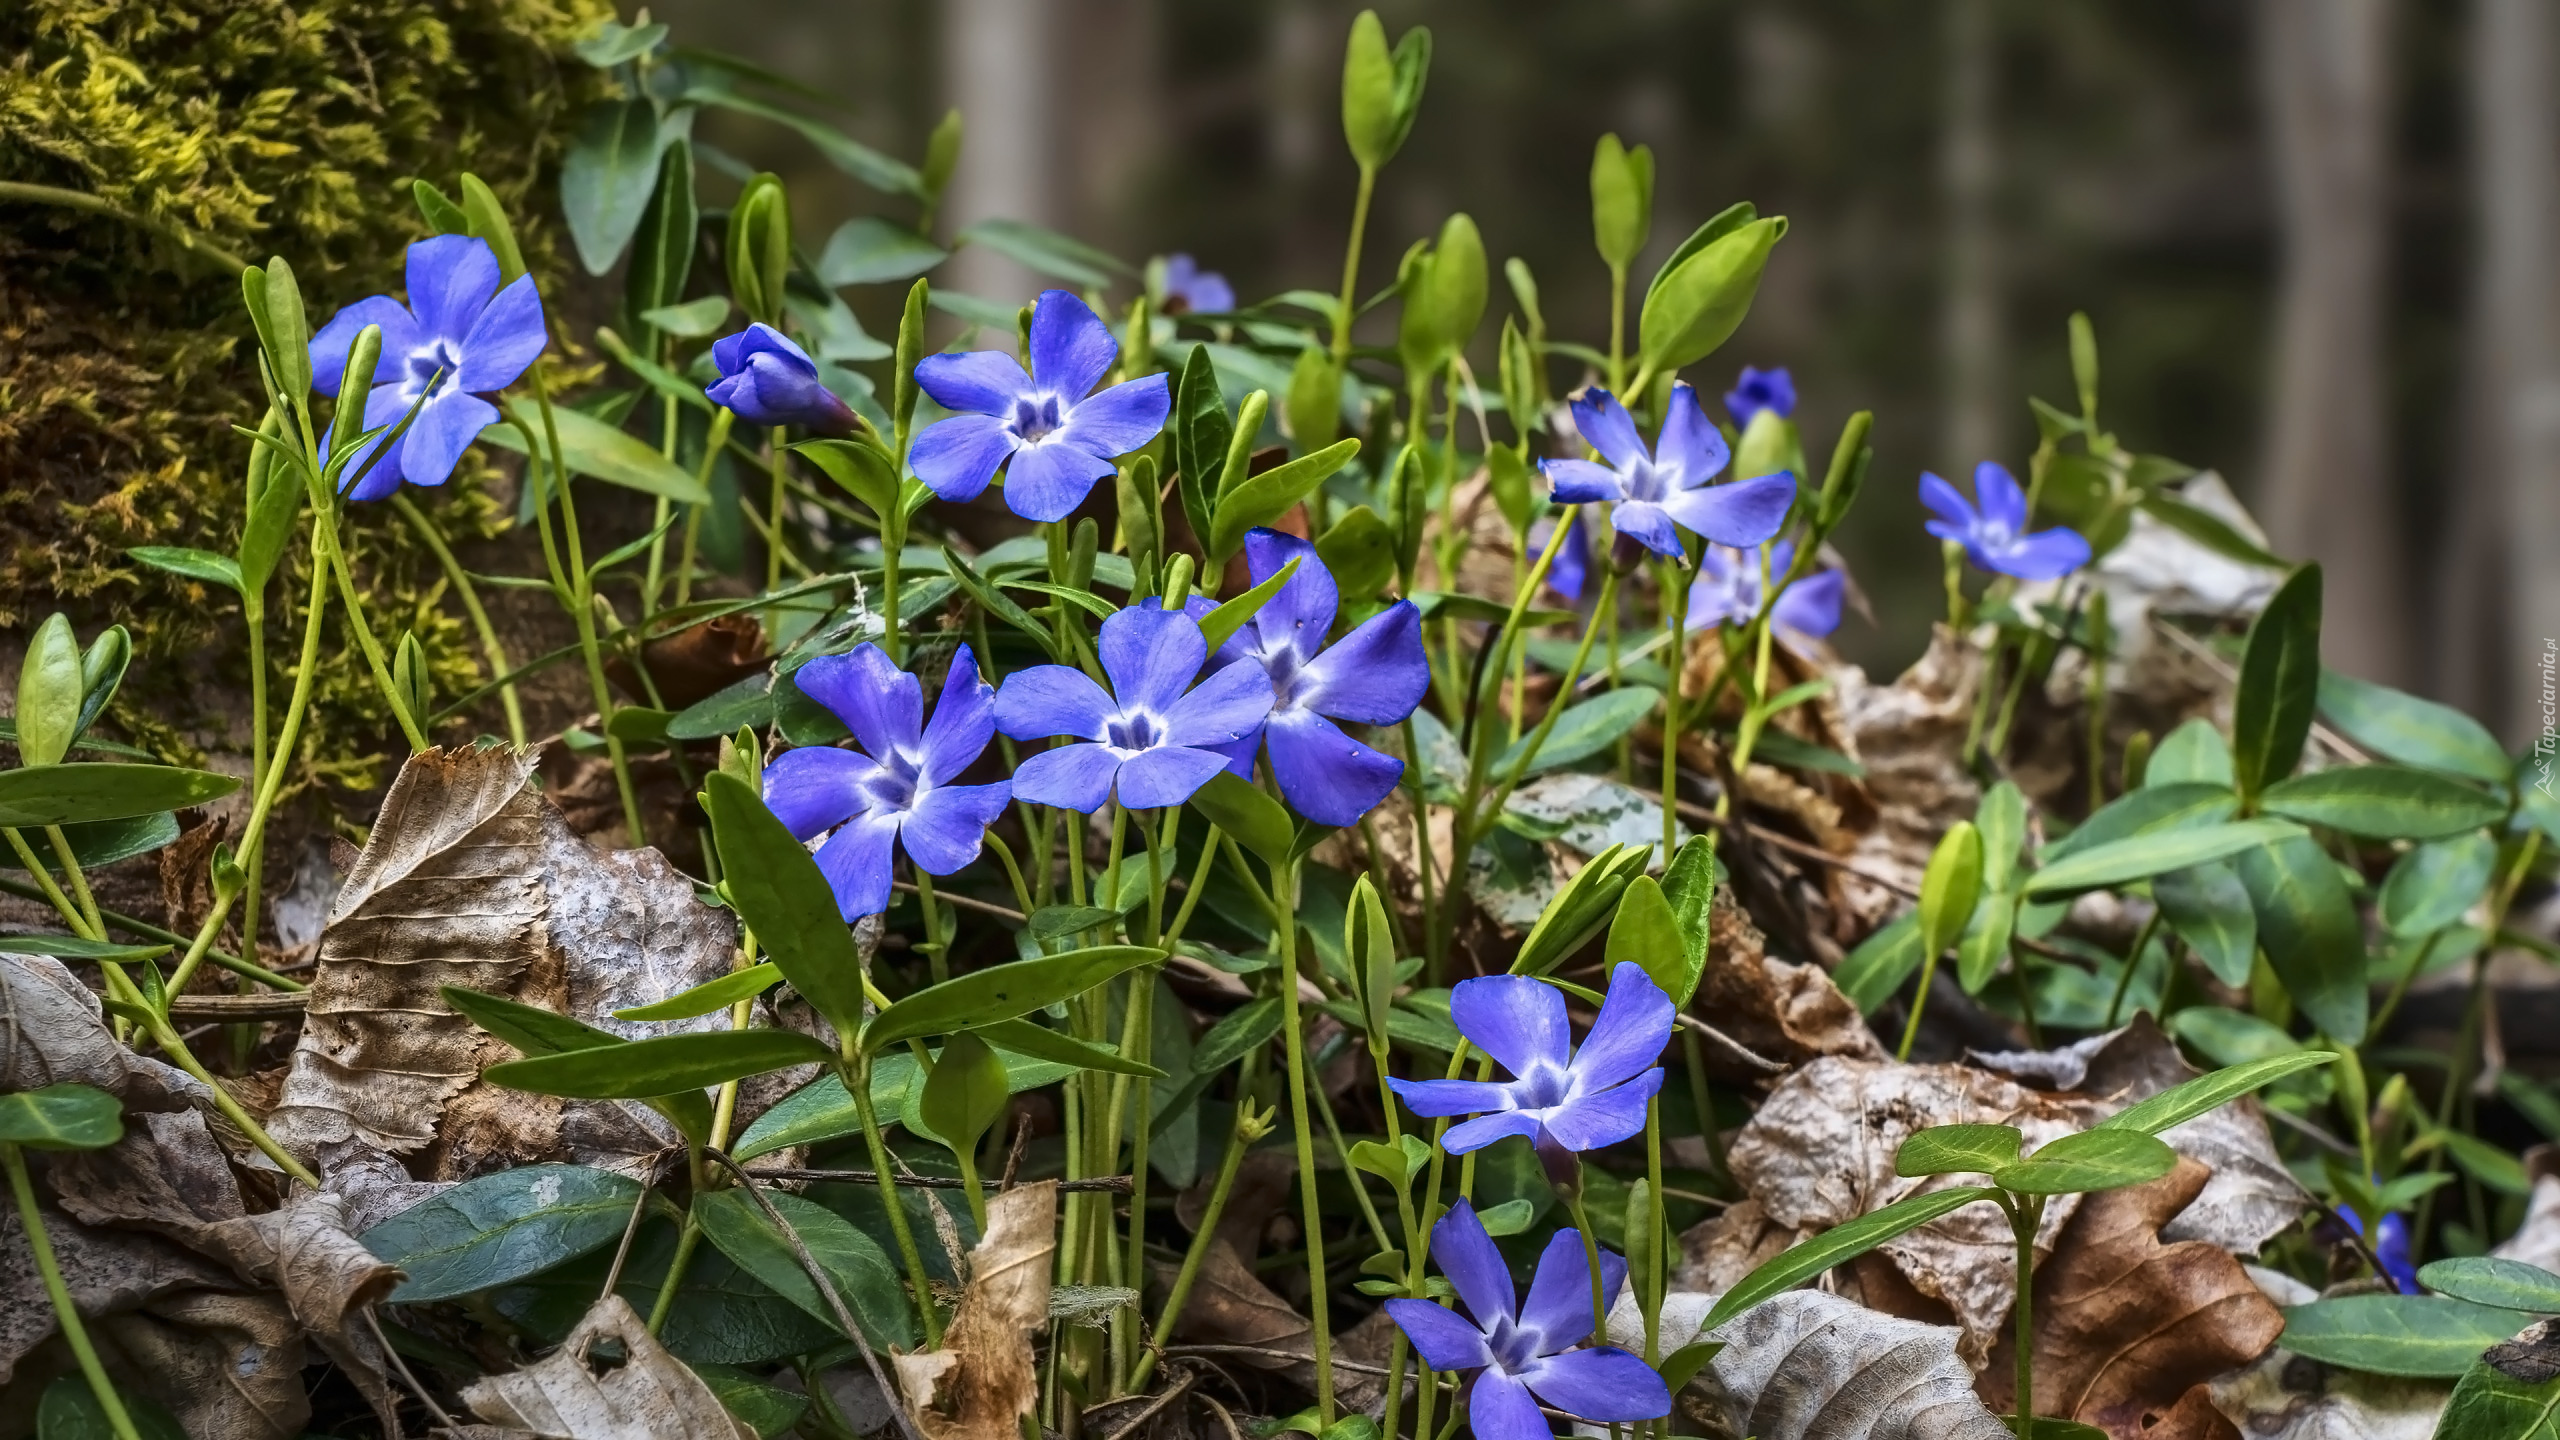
779 892
862 1275
1803 1261
1001 992
2412 731
2487 1280
2309 929
2279 685
502 1227
2090 1160
2436 884
2385 802
2179 1104
592 447
61 1117
668 1065
61 794
1958 1150
709 996
2425 1337
2141 856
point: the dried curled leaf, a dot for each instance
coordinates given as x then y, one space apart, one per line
1909 736
1790 1013
1810 1366
53 1032
980 1384
610 1380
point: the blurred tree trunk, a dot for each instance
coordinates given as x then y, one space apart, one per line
2327 495
2498 575
997 71
1971 334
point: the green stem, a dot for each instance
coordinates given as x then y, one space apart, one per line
61 903
73 1332
583 610
1676 605
2132 962
471 606
773 511
857 1078
686 1239
2024 1216
1599 1291
931 913
1919 1001
1284 886
1239 1140
174 1046
1351 266
334 559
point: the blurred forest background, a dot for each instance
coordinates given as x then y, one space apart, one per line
2316 236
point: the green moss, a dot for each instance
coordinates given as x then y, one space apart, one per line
264 128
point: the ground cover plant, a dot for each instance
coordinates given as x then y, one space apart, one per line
1138 862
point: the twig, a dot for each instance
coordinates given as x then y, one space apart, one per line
622 1252
1115 1184
1691 810
966 902
1223 1417
1268 1353
1189 1378
234 1009
401 1364
1013 1155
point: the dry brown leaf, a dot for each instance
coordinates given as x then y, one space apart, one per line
1908 736
982 1381
108 1272
580 1392
2125 1326
228 1367
1790 1013
2286 1397
53 1032
1810 1366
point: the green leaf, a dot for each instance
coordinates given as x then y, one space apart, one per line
1647 934
2152 809
2194 753
2210 909
2486 1280
709 996
862 1275
2209 530
617 43
592 447
2424 1337
501 1228
1716 227
691 320
1579 909
1239 1033
858 467
2436 884
61 794
2308 927
1039 1042
202 565
529 1028
70 1411
873 251
1041 249
61 1117
1370 956
667 1065
1803 1261
72 947
2412 731
1881 962
1621 200
779 892
2179 1104
1201 433
1958 1150
2279 685
1387 1162
2487 1163
2002 818
1508 1218
1001 992
996 603
1266 497
769 1410
49 693
670 227
1381 90
1689 884
1699 301
2141 856
1581 732
1949 887
1360 551
1228 618
2230 1037
964 1094
822 1110
2489 1404
1985 942
2090 1160
607 176
2386 802
1257 821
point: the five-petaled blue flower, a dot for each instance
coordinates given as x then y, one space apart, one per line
1153 744
2390 1248
1561 1099
459 337
770 381
1758 390
1995 536
1190 290
1728 590
1518 1348
1058 438
897 788
1373 676
1656 489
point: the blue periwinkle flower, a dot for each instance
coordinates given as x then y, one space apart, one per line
1758 390
1190 290
1155 738
1569 574
1728 592
458 338
2390 1248
1051 434
1373 676
1655 490
1995 536
896 790
1561 1099
1518 1348
770 381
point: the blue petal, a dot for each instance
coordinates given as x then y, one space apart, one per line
942 833
329 348
1440 1337
1500 1408
504 340
1071 349
732 352
964 720
1610 429
1811 606
1326 775
1646 523
1517 1020
1475 1269
956 457
2045 555
451 278
1690 441
1438 1099
1570 572
1120 419
973 382
1558 1305
1375 675
1588 1122
1301 615
1714 598
813 789
1485 1129
445 428
1579 482
1948 530
1229 705
1049 480
1071 777
856 861
1635 1023
1948 502
2003 503
883 704
1603 1383
1166 775
1047 700
1151 655
1744 514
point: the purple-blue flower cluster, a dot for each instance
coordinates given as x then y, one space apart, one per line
1730 584
1994 534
